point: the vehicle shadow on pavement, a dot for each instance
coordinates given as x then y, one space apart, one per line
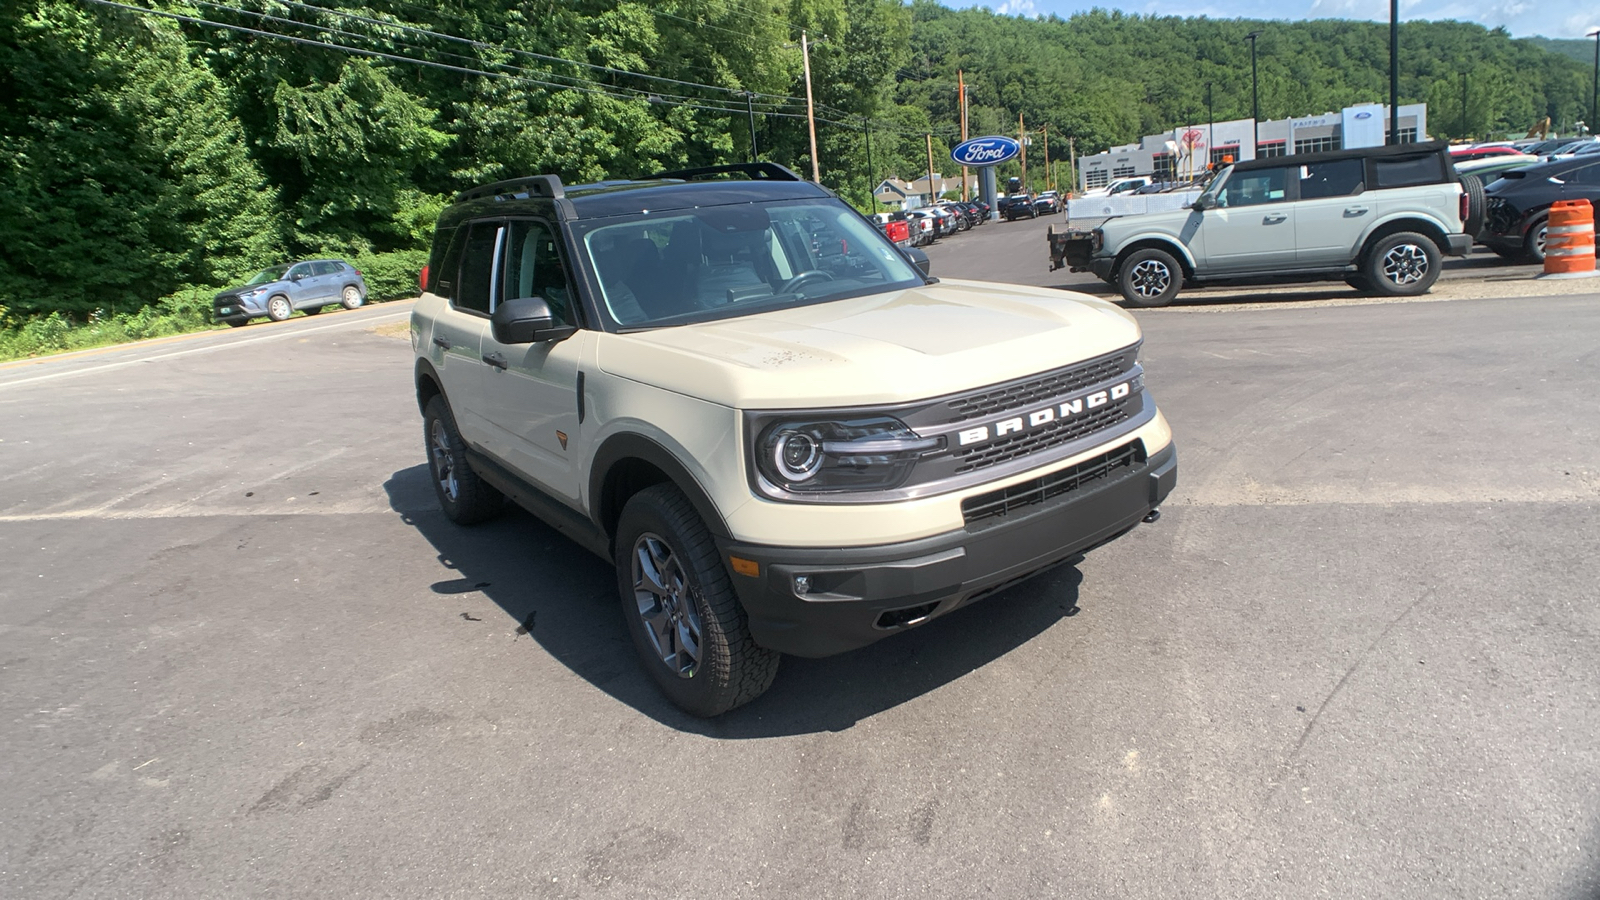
566 599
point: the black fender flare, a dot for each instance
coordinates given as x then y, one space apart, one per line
606 508
426 374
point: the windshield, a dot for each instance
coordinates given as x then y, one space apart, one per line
718 262
266 276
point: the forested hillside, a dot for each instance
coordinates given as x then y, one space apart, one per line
1572 48
142 153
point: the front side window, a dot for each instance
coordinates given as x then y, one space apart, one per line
1340 178
1253 188
534 269
720 262
301 270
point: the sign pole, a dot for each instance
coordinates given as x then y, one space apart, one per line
961 82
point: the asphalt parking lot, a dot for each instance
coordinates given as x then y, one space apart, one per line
243 654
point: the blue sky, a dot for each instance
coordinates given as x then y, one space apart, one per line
1551 18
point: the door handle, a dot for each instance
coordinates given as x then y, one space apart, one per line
1274 219
1355 210
441 343
496 360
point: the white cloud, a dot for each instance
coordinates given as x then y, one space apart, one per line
1017 8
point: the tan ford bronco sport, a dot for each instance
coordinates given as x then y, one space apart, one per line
783 433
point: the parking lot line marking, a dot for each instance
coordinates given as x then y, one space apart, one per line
298 332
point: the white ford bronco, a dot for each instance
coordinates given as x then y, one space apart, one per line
1379 218
783 433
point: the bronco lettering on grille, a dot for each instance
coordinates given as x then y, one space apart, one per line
1062 411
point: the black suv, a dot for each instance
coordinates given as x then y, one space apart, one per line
1518 212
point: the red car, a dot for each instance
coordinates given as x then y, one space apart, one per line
1462 154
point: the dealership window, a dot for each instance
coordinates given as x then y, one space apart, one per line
1407 135
1317 145
1219 155
1097 178
1126 170
1165 170
1272 148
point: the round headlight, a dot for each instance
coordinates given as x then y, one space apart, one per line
796 455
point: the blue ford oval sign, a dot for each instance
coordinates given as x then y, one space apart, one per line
985 151
1363 115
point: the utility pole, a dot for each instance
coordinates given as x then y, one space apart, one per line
1072 162
872 192
750 110
1594 98
1463 105
1048 181
961 82
931 193
811 115
1255 97
1211 126
1022 138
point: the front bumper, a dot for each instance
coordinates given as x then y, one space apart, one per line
1101 266
858 595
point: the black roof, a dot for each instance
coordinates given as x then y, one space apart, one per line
1306 159
683 189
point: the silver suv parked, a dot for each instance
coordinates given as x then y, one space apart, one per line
278 291
1380 218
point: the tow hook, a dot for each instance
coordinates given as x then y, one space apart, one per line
1153 515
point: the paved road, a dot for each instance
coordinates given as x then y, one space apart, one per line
242 654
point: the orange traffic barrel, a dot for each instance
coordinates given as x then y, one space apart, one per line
1569 242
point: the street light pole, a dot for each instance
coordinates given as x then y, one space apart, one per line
1594 99
1255 98
1211 124
1394 72
872 189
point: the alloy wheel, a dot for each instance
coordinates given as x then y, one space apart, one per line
666 605
444 463
1150 278
1405 264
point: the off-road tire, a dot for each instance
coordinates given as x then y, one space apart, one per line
1476 204
1149 277
473 499
279 308
351 297
1403 264
731 669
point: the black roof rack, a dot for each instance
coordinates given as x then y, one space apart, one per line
758 171
548 186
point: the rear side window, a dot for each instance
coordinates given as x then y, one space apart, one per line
1405 171
478 269
436 267
1339 178
325 268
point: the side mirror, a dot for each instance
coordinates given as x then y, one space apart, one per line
296 276
919 259
526 320
1202 203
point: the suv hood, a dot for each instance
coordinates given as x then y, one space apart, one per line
894 347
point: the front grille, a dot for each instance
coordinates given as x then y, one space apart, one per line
997 504
1026 393
1501 217
1054 434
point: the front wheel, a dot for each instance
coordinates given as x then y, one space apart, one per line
1149 277
351 298
279 308
1402 265
685 620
